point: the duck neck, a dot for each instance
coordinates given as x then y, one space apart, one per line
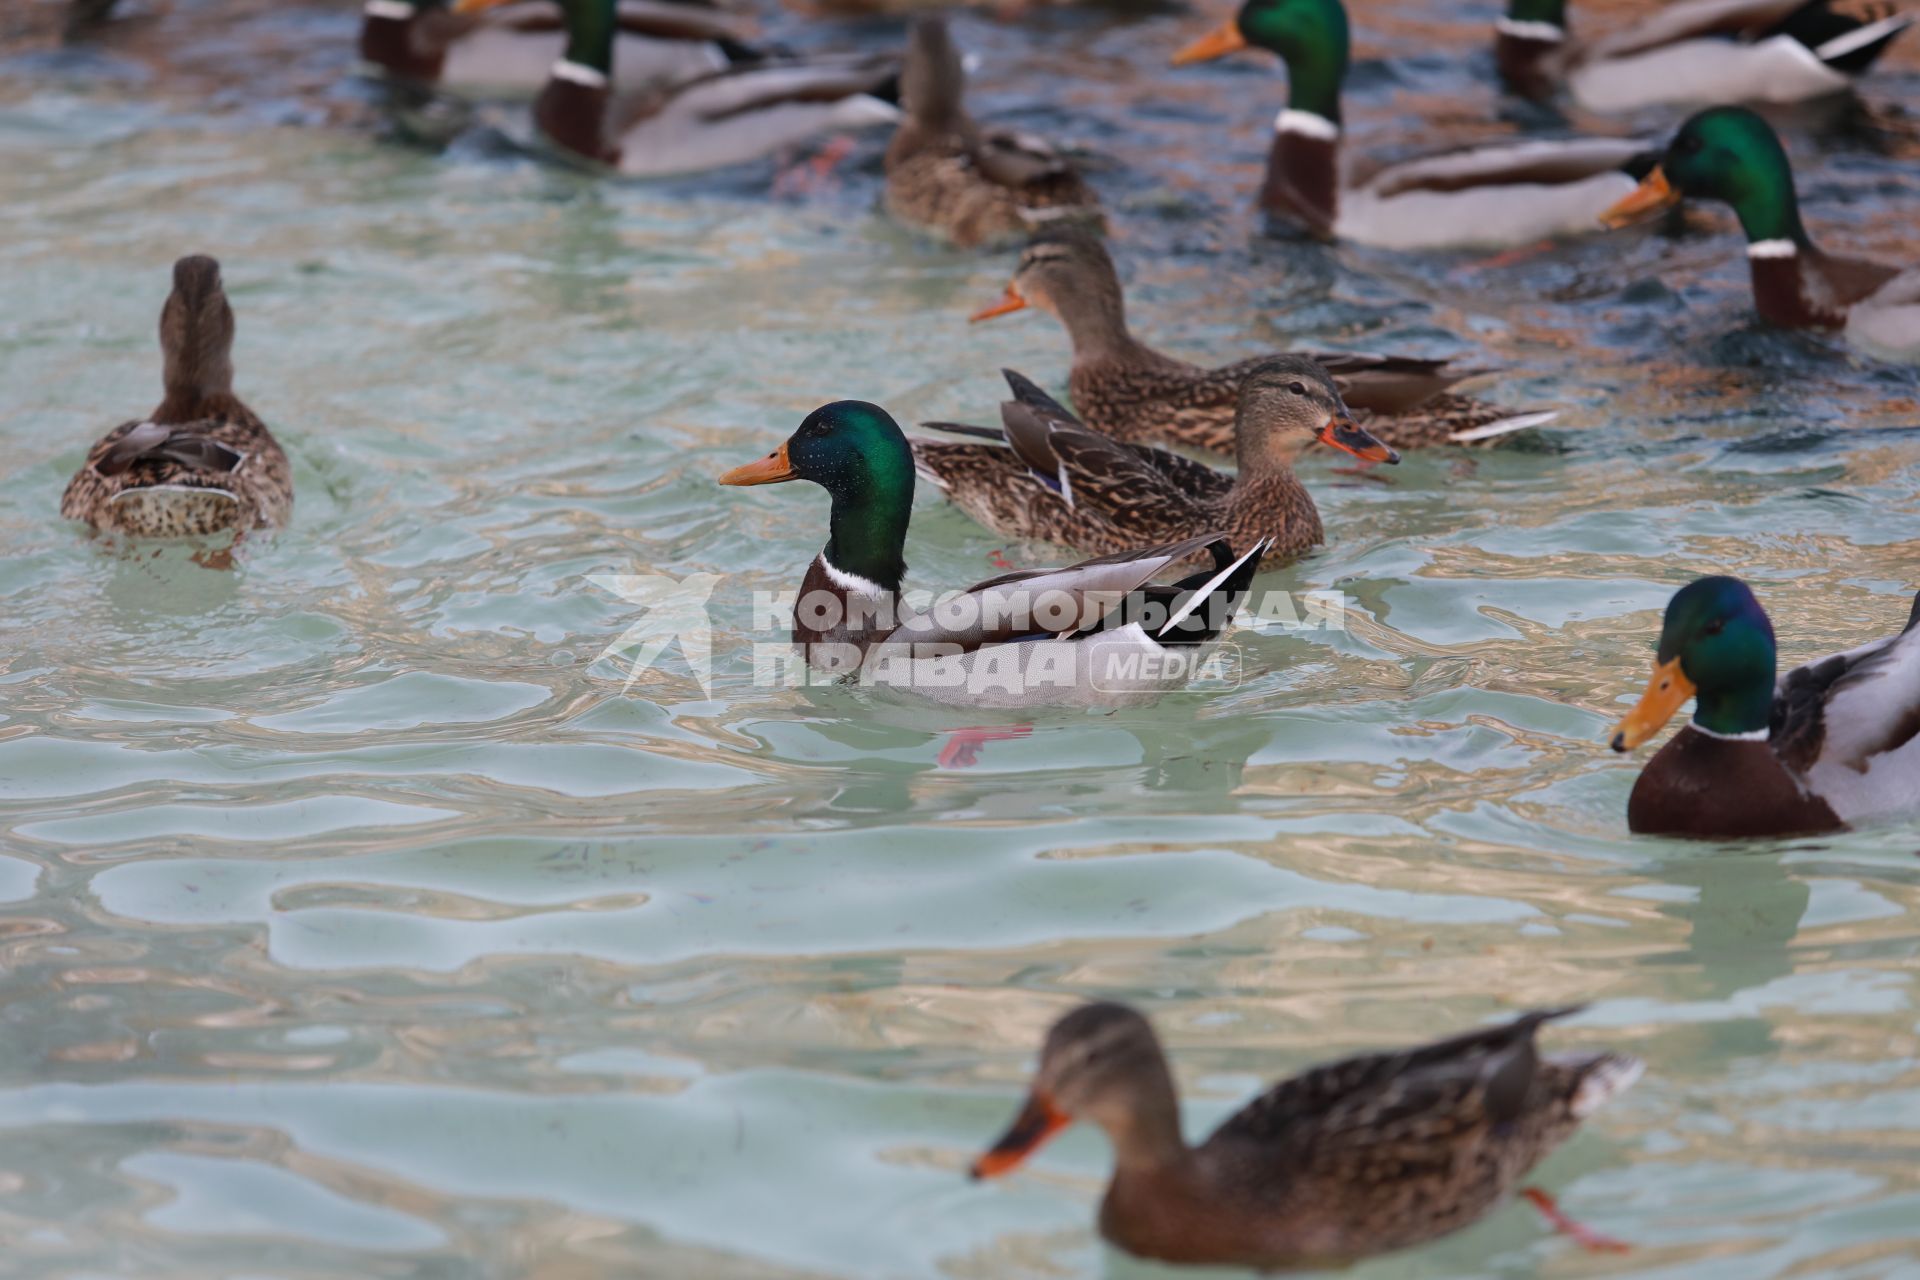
1096 324
572 109
390 38
1739 711
868 536
198 377
1763 198
1526 44
1267 500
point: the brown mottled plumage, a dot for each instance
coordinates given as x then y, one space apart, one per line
1339 1163
1128 390
201 462
1060 482
946 174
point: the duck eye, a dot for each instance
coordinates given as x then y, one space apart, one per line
1298 388
1715 627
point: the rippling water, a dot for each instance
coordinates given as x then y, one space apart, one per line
357 921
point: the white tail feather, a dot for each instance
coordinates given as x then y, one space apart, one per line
1503 427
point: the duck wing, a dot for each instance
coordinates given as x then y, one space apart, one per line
1485 1075
1700 19
1136 482
190 445
1555 163
1853 712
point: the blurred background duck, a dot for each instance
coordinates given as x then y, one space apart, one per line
201 462
1731 155
509 48
972 185
1833 743
1001 643
1128 390
1048 478
1341 1162
1697 51
1494 196
722 118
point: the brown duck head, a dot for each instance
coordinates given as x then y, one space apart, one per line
1289 402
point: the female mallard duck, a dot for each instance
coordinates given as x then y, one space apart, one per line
1700 51
1130 391
1095 633
1339 1163
1504 195
1059 482
511 49
948 175
1835 742
1732 155
202 462
728 117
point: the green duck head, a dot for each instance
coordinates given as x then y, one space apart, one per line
858 454
1731 155
1310 36
1716 646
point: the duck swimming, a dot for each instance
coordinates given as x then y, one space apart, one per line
201 462
1342 1162
1832 743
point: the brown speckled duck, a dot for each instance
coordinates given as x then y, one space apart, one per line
1130 391
201 463
946 174
1344 1161
1052 479
1834 742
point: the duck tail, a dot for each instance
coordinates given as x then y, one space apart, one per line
1603 1077
1503 427
1228 584
994 434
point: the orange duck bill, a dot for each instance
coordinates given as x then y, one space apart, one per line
1345 434
771 469
1666 693
1654 192
1037 1121
1012 301
1217 43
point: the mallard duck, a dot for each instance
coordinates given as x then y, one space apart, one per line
511 48
1507 195
1060 482
1094 633
1701 51
947 174
1339 1163
1128 390
1732 155
1835 742
728 117
202 462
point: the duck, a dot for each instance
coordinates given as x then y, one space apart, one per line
1697 51
1731 155
1342 1162
1830 744
202 462
722 118
1132 392
1490 197
1097 633
509 49
1047 477
971 185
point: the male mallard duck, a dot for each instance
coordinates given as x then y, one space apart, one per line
512 48
1095 633
1694 51
1059 482
1128 390
201 462
1732 155
947 174
1835 742
724 118
1504 195
1339 1163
